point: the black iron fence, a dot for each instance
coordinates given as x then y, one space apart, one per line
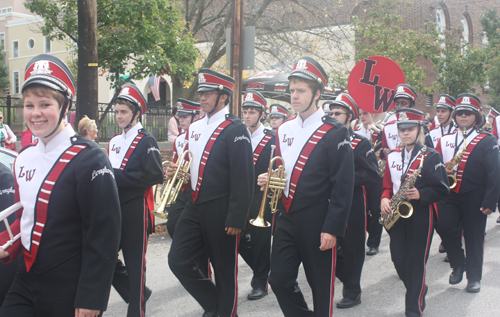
155 120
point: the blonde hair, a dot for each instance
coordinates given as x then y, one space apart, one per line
84 126
43 91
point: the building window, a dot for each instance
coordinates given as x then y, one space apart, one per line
15 82
440 21
48 45
465 30
2 40
428 100
31 43
15 49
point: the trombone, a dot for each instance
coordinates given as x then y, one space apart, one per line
173 185
3 216
275 185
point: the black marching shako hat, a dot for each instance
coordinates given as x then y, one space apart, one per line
493 113
53 73
276 111
468 102
345 100
254 99
308 68
209 80
409 117
446 101
405 91
131 93
187 107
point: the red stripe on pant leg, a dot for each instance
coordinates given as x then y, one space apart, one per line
332 274
144 245
431 227
235 304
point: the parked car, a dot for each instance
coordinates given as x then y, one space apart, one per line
7 157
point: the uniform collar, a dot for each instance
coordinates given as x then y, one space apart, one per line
258 132
216 117
63 136
133 131
315 117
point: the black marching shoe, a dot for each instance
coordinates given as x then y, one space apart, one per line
446 259
147 293
348 302
441 248
372 251
473 286
457 275
257 293
498 219
209 314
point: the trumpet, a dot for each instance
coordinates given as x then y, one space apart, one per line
275 185
3 216
173 186
155 187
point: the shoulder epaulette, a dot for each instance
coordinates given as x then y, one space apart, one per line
270 132
231 117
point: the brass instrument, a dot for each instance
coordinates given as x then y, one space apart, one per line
3 216
381 162
155 187
173 186
450 166
400 206
275 185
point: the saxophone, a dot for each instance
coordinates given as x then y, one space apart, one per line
400 206
450 166
381 162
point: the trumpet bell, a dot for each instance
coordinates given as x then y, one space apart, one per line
159 214
260 222
452 181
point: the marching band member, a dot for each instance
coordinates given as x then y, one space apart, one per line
277 115
374 189
368 128
411 237
444 109
136 160
188 112
317 198
475 194
492 120
255 245
222 173
7 199
70 221
405 97
352 246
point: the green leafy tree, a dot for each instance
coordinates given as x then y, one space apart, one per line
139 37
4 70
459 65
491 26
380 32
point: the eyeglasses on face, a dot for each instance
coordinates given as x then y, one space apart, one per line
207 94
336 113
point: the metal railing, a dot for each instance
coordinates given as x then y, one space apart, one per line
155 120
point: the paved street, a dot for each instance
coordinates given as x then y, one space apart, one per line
383 292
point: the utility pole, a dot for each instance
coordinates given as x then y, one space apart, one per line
237 57
87 91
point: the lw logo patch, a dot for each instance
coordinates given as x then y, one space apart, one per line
116 149
287 141
398 167
28 174
195 136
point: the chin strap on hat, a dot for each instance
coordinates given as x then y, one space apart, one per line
67 105
133 117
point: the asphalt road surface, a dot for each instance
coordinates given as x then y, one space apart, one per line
383 292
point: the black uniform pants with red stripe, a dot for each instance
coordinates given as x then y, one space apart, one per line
374 228
174 213
461 213
202 226
129 281
297 239
351 248
255 245
410 242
